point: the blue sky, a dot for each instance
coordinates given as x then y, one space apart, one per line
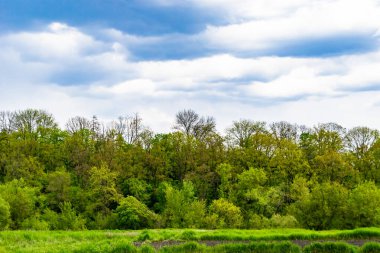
303 61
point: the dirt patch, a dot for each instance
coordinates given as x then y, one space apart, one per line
211 243
159 244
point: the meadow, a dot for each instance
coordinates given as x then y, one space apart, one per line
180 240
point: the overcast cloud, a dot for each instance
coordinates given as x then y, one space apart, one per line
301 61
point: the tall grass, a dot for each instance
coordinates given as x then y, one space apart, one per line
190 247
370 248
264 235
272 241
330 247
284 247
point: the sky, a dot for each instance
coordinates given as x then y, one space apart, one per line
302 61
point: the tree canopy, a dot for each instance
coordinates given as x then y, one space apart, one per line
98 175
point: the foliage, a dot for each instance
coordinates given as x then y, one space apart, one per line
132 214
4 214
225 214
98 175
21 199
325 208
182 209
364 205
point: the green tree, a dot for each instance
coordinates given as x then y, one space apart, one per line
182 209
58 188
364 206
22 201
253 195
334 167
4 214
133 214
28 168
326 207
137 188
225 214
103 194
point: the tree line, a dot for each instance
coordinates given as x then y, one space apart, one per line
121 175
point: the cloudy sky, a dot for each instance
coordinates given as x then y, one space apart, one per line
303 61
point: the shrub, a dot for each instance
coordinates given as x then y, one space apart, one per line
257 221
35 223
132 214
182 209
227 215
21 200
4 214
66 220
364 202
287 221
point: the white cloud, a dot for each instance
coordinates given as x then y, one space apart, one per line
309 21
302 90
58 41
139 87
322 77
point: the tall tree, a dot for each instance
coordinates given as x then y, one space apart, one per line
284 130
241 131
30 120
190 123
360 139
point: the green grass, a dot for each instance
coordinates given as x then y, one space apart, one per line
271 241
328 247
370 248
261 235
63 241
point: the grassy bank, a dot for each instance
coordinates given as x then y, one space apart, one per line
262 241
260 235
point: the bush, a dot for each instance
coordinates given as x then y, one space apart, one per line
4 214
132 214
257 221
66 220
287 221
325 208
364 202
226 214
35 223
21 199
182 209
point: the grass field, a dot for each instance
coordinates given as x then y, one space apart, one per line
177 240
